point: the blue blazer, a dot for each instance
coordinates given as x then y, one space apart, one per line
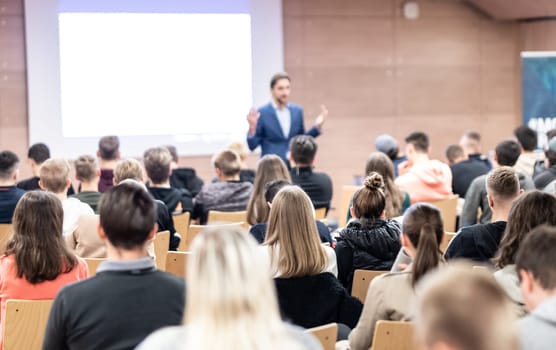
269 133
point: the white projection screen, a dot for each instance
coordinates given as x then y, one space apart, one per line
154 72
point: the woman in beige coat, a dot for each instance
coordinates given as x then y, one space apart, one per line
390 296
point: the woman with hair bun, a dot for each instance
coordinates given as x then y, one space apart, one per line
369 241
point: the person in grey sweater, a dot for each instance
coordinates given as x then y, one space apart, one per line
536 265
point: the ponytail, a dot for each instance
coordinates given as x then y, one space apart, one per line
427 255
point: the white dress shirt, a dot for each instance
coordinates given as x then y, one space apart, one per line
284 118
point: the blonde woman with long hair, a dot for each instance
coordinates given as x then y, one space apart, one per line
270 167
304 269
230 300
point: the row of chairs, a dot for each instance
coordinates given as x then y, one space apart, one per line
25 325
389 335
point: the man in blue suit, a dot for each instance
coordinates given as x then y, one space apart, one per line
276 123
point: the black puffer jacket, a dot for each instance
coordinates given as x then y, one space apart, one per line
366 245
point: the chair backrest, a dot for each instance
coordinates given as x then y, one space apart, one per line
215 216
448 208
92 265
176 263
347 194
326 335
195 229
6 231
320 214
394 335
448 236
181 223
161 246
25 324
361 281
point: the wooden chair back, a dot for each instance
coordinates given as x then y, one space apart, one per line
448 208
215 216
347 194
320 214
448 236
92 265
161 246
181 224
361 281
6 231
326 335
195 229
25 324
394 335
176 263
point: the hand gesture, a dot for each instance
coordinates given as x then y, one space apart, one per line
252 119
322 116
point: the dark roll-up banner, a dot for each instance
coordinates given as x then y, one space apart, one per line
539 91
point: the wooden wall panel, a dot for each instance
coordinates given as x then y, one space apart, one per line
539 35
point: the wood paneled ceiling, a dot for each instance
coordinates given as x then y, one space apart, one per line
516 9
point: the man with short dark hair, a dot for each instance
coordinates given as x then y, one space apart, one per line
275 123
536 266
480 242
421 177
527 138
108 154
464 170
88 174
317 185
157 163
128 298
228 194
36 155
9 193
506 153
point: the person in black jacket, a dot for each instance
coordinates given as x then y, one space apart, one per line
157 165
183 177
480 242
368 242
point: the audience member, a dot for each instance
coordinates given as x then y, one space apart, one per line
480 242
317 185
529 211
391 296
9 193
258 231
245 174
370 241
471 144
459 308
108 154
36 262
229 194
423 178
55 178
128 298
506 153
157 165
85 240
88 174
231 302
309 293
536 266
36 155
181 177
270 167
464 169
527 138
548 176
389 146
